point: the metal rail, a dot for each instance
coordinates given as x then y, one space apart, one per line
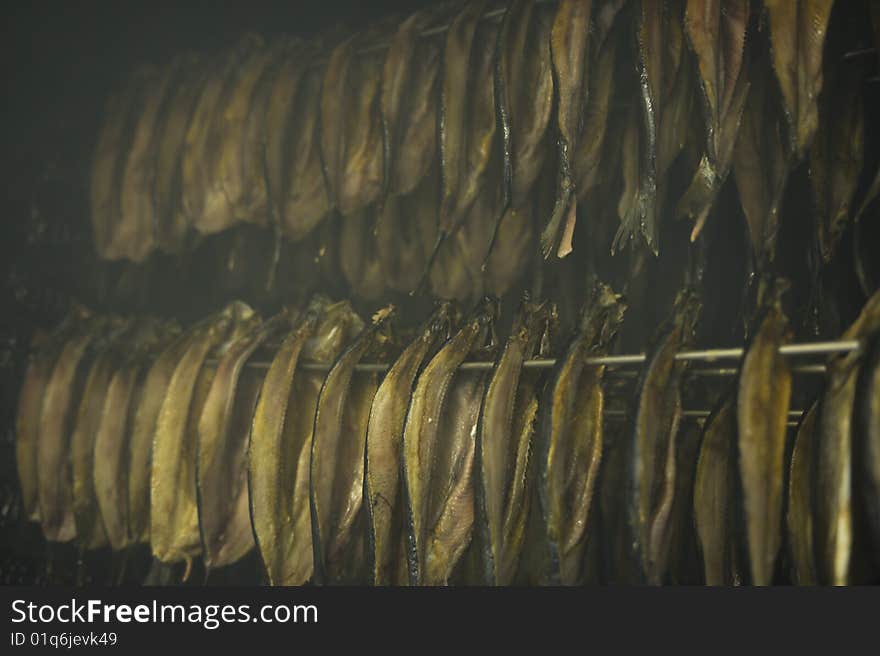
709 355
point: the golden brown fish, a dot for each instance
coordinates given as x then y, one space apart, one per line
114 143
504 446
30 407
87 516
111 447
867 431
202 142
146 413
763 395
655 438
172 225
716 32
382 461
837 152
281 436
135 233
569 448
569 46
715 496
799 519
303 198
524 94
835 531
467 122
60 402
174 527
336 479
222 439
797 38
358 254
761 163
408 103
429 534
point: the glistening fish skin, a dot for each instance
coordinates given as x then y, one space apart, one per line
30 405
569 43
221 449
336 478
60 402
382 484
867 430
763 395
655 437
504 447
801 508
174 527
422 435
715 493
571 438
281 436
835 538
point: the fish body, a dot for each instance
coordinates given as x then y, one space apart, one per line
382 463
174 527
504 447
223 429
570 438
715 495
867 425
655 440
422 435
835 526
716 33
336 478
763 396
279 449
799 518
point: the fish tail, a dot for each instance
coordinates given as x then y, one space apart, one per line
629 225
550 236
697 201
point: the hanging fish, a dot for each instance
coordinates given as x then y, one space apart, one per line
172 124
90 530
717 33
146 413
655 439
221 448
504 445
763 395
836 155
866 415
405 233
203 202
296 177
30 407
438 454
281 436
358 253
174 526
569 446
382 461
797 38
801 502
351 123
114 143
61 399
524 95
467 122
715 496
111 447
336 478
761 163
408 102
665 101
835 531
135 234
569 45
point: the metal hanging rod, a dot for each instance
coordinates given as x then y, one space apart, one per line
710 355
